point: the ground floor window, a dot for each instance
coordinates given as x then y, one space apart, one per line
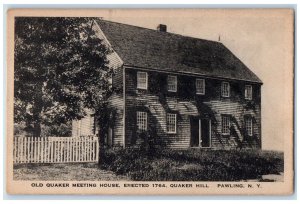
249 126
141 121
171 123
225 124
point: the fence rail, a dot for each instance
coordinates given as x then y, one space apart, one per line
55 149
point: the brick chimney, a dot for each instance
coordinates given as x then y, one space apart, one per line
162 28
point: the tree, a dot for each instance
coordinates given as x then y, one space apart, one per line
61 68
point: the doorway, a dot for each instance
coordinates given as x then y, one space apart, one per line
200 132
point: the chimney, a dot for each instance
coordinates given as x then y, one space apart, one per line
162 28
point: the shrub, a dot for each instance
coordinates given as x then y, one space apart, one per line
192 165
125 161
62 130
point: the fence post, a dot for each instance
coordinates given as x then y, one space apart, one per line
21 150
97 150
27 149
42 150
89 149
76 149
68 149
61 151
48 152
85 149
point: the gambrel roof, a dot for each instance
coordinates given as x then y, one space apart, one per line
163 51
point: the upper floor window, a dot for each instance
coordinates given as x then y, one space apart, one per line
141 121
249 126
142 80
225 89
200 86
171 123
172 83
225 124
248 92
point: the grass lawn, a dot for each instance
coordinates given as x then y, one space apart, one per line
162 165
193 164
64 172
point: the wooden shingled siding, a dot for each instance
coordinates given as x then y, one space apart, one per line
156 121
238 112
157 102
157 108
116 101
84 126
117 80
114 60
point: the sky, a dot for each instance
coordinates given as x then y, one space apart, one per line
261 39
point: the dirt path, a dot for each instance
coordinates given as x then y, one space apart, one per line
64 172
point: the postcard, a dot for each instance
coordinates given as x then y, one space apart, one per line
150 101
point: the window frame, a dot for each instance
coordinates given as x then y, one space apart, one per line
222 89
175 84
222 124
248 97
138 85
138 115
175 123
249 118
203 83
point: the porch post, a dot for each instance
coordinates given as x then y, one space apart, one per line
200 136
209 132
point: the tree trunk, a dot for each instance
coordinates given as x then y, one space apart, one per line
37 120
37 129
37 110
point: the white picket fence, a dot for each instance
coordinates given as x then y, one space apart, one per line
55 149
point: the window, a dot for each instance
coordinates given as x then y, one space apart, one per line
225 124
248 92
171 123
200 86
172 83
141 121
225 89
142 80
248 126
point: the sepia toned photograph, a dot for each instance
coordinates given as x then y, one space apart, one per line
150 101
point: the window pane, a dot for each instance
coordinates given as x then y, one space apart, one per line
200 86
141 121
172 83
142 80
225 125
171 123
225 89
248 92
248 124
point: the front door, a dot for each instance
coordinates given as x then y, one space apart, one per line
200 132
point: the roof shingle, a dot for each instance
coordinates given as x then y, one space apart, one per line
152 49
